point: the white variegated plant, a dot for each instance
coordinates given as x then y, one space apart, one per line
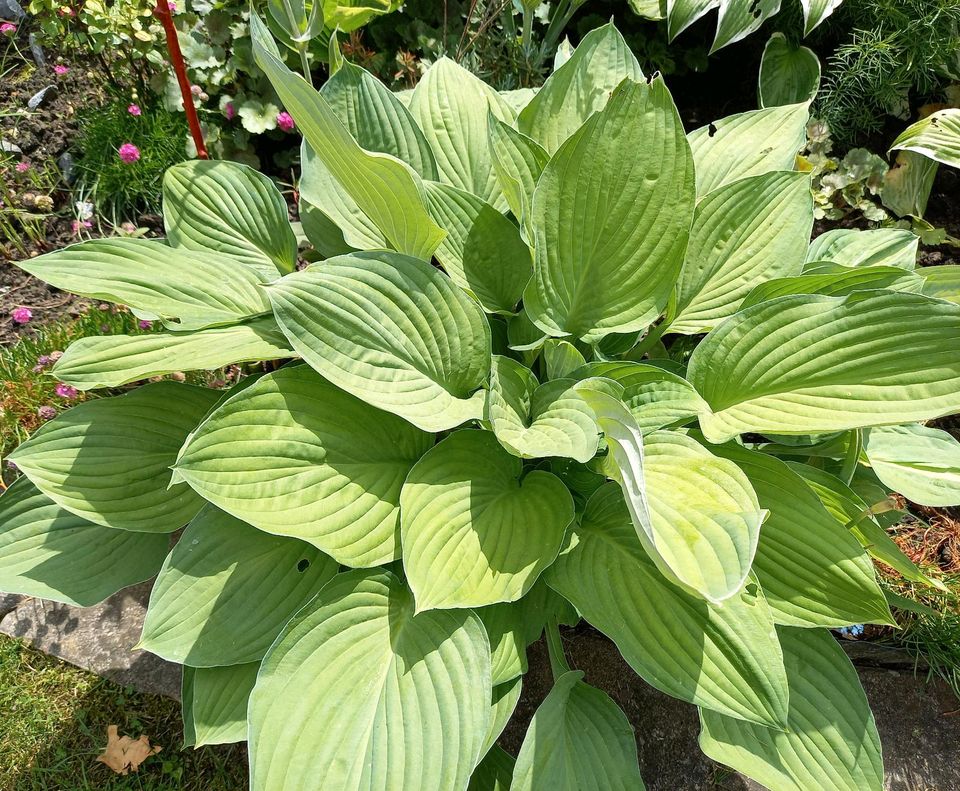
553 359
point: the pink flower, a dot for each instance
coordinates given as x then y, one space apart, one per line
143 324
66 10
134 109
21 315
285 122
22 167
173 6
60 70
129 153
78 224
229 111
47 412
196 90
66 391
8 29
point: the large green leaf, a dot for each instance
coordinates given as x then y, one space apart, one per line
942 282
494 772
922 464
788 74
683 13
835 280
215 703
385 189
505 630
109 460
533 420
48 552
578 740
464 506
831 739
748 144
937 137
723 657
391 330
877 247
812 570
227 590
518 162
114 360
230 209
296 456
385 699
744 233
739 18
186 288
451 106
579 88
810 364
505 699
610 216
815 11
482 252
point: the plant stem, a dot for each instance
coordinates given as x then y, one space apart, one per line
558 660
305 63
852 458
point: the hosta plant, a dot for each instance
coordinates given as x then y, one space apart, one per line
550 359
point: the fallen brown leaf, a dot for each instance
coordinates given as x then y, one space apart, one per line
123 753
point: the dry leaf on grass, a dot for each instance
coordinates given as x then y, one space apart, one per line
123 753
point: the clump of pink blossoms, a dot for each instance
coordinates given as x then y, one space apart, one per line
285 122
129 153
21 315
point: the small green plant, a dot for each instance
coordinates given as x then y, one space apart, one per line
559 360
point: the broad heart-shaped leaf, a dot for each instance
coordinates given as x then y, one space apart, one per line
114 360
294 455
50 553
494 772
942 282
385 189
424 710
788 74
748 144
835 280
876 247
610 216
214 703
230 209
809 364
739 18
505 699
743 233
482 252
518 161
812 570
579 88
831 739
475 533
508 648
922 464
451 106
109 460
186 288
561 358
815 11
227 590
723 657
683 13
578 740
391 330
937 137
532 420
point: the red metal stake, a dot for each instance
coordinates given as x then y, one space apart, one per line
162 12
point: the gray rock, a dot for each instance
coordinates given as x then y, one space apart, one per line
67 167
99 638
11 10
9 602
10 148
41 96
37 52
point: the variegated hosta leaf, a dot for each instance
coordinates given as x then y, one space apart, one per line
113 360
815 11
835 280
464 506
578 740
518 161
109 460
748 144
683 13
723 657
579 88
812 570
876 247
922 464
611 215
809 364
494 772
482 252
296 456
386 190
214 703
532 420
188 289
937 137
788 74
831 738
451 106
739 18
424 710
230 209
942 282
50 553
391 330
743 233
227 590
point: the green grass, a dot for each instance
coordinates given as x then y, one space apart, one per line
54 721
